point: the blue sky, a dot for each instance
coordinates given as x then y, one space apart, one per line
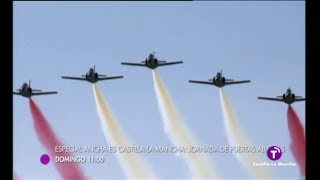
260 41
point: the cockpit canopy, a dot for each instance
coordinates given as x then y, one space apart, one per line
218 75
24 86
288 91
91 71
151 56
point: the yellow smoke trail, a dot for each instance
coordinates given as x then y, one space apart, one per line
179 133
237 138
133 165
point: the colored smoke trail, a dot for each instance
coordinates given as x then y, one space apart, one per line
179 133
237 138
297 139
49 140
133 165
14 176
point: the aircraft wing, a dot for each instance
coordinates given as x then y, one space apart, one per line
299 99
201 82
133 64
109 78
73 78
44 93
169 63
271 99
236 82
16 93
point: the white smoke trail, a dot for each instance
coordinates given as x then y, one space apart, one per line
179 133
134 166
237 138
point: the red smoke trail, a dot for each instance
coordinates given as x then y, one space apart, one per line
15 177
297 139
46 135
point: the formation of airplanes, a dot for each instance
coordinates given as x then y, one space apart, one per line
152 62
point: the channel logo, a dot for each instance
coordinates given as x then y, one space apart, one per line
274 153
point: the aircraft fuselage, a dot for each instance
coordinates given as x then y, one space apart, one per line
92 77
25 93
288 98
219 82
151 63
25 90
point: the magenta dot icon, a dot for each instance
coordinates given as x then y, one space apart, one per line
274 153
45 159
